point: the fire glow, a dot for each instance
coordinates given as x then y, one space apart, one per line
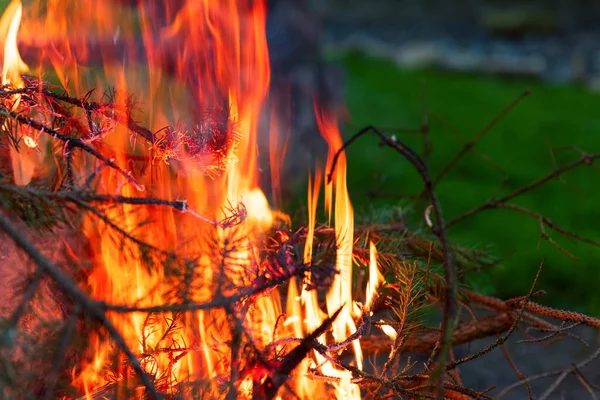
208 66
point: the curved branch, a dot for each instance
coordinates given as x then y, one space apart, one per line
439 230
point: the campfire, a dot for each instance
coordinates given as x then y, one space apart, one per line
133 132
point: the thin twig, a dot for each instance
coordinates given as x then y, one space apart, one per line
73 142
529 379
584 382
501 339
586 159
567 372
552 333
220 302
520 375
469 145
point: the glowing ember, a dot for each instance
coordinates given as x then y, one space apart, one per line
29 142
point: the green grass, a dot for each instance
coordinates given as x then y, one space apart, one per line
379 93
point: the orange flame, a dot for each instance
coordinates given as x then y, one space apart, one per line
340 293
23 159
204 62
239 80
313 198
375 277
13 66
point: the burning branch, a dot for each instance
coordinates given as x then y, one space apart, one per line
272 384
216 135
185 294
439 230
70 142
92 307
411 338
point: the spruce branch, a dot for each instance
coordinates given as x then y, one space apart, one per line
91 307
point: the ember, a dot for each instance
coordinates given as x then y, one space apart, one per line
180 272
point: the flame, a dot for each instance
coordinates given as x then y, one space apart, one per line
13 66
389 331
23 159
29 142
303 386
340 293
313 198
308 301
341 290
205 63
375 277
185 79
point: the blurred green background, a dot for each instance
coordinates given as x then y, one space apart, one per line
517 150
472 59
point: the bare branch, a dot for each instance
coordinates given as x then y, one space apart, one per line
585 159
469 145
567 372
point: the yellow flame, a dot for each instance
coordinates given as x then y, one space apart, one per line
209 53
340 292
13 66
389 331
375 277
258 209
24 159
29 142
313 199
